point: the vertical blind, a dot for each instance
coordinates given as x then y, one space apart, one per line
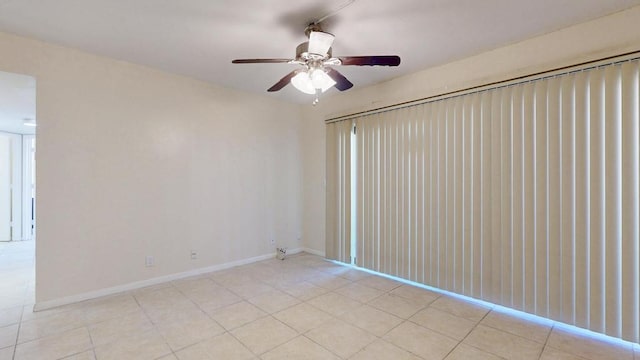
525 195
338 191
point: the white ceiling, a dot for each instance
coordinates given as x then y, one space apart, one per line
199 38
17 102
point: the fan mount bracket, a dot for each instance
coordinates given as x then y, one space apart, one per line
303 54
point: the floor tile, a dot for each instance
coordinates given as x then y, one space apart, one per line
249 289
341 338
171 314
163 296
460 308
109 308
144 346
50 325
183 334
236 315
329 282
56 346
28 314
264 334
550 353
355 275
6 353
503 344
383 350
206 291
588 348
537 331
334 304
421 295
220 347
168 357
218 298
372 320
85 355
319 309
299 348
359 292
9 316
443 322
111 330
303 317
194 283
273 301
8 335
380 283
143 292
304 290
229 277
397 305
466 352
423 342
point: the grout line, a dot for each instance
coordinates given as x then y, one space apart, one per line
546 341
469 333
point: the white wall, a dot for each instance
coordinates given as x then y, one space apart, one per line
607 36
132 161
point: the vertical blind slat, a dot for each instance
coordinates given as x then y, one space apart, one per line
518 199
613 200
529 200
582 191
630 200
467 195
476 174
568 199
554 204
541 197
597 205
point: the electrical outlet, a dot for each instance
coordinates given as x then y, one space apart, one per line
194 255
299 238
273 241
149 261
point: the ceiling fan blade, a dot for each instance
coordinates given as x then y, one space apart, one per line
384 60
260 61
320 42
342 83
283 82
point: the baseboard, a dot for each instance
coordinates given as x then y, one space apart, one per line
305 250
44 305
314 252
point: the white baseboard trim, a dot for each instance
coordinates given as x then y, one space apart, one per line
314 252
44 305
306 250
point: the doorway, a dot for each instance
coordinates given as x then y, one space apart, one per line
17 193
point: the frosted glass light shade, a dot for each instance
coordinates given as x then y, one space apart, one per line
308 82
321 80
302 82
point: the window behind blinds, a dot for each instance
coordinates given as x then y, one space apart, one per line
525 195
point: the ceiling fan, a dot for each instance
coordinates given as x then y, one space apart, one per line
315 56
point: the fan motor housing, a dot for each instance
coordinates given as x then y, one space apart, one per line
303 54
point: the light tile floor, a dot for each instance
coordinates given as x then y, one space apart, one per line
301 308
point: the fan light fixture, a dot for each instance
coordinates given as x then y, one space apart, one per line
312 80
316 57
